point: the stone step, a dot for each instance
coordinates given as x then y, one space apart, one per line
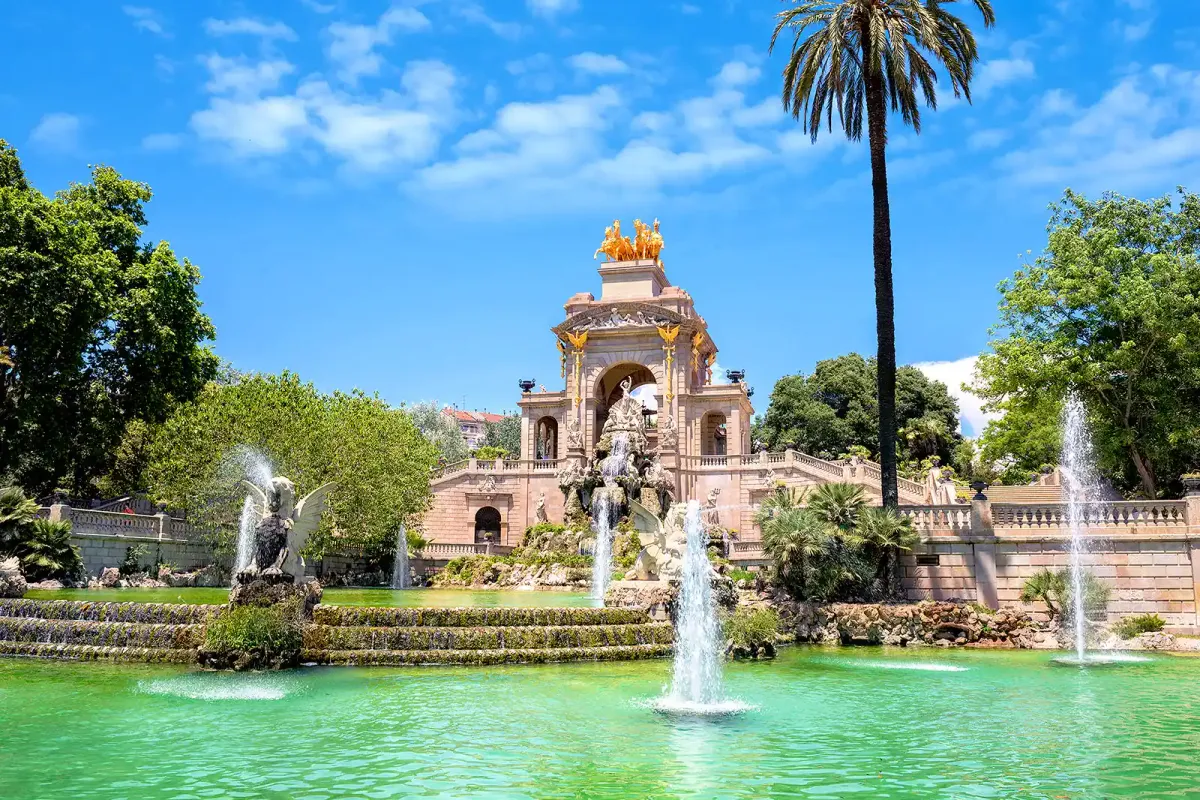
84 652
100 634
474 617
483 657
145 613
494 637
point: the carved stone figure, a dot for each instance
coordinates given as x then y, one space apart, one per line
283 529
939 490
661 557
668 435
489 485
711 516
540 509
574 434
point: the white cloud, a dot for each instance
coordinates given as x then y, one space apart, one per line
319 8
736 73
988 139
1143 133
474 13
1135 32
259 126
1055 102
162 142
352 47
550 8
364 133
240 76
597 64
146 19
954 374
57 131
249 27
1001 72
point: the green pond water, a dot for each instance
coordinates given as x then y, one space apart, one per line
829 723
445 598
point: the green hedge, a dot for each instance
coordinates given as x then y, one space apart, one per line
327 637
160 613
255 629
475 617
80 652
104 634
483 657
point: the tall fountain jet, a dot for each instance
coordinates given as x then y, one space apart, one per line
1081 487
401 578
697 682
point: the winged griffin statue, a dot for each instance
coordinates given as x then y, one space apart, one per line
284 527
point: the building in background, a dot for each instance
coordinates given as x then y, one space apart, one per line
473 424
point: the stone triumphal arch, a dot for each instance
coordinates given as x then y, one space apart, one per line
642 328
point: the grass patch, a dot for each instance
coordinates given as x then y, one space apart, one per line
1129 627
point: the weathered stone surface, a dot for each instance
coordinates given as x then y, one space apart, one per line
940 624
50 585
12 582
267 590
110 577
204 576
660 598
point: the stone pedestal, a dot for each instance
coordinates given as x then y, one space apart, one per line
263 590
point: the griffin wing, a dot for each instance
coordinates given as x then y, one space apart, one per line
644 521
308 514
257 498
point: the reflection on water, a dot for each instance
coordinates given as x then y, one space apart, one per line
1013 724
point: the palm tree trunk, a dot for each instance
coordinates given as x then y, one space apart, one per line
884 301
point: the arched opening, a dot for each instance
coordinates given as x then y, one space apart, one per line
487 525
713 435
546 444
608 391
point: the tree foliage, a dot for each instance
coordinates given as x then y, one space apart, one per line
42 548
441 430
504 434
834 411
1111 312
98 328
374 453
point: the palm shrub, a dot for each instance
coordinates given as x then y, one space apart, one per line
46 552
1129 627
810 558
839 504
885 533
1054 589
872 57
16 515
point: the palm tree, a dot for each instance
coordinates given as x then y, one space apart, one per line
811 558
856 55
16 514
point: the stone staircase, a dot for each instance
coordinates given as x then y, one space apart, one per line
142 632
406 636
169 633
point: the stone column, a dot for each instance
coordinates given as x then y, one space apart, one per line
164 523
1192 516
60 511
983 538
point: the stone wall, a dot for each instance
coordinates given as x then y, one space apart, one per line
105 550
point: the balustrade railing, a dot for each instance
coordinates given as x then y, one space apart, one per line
1118 514
931 518
455 549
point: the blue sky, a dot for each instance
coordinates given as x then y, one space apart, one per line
400 197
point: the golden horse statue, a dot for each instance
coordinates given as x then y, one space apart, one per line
616 246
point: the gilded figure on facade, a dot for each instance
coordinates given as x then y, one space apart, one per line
647 242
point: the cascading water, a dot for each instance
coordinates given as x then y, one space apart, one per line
614 466
697 684
245 540
401 579
602 554
1081 487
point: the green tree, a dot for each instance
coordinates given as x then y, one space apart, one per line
1111 312
441 430
835 411
97 327
374 453
504 434
810 558
884 534
871 55
1026 440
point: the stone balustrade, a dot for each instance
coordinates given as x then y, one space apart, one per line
1131 515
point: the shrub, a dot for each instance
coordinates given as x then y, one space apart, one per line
267 631
133 559
16 515
747 628
738 574
1054 589
490 453
1130 627
45 551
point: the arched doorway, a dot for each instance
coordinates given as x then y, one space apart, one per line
546 441
487 525
713 435
608 391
